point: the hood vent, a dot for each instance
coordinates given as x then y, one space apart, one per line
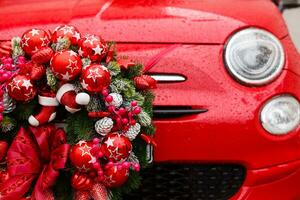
160 112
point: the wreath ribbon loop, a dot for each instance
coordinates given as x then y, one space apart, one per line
34 153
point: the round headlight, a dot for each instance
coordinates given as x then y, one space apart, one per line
280 115
254 56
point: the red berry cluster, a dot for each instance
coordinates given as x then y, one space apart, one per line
124 118
8 68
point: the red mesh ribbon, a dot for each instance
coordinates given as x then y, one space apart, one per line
35 153
96 192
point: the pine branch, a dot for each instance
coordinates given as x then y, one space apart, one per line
134 71
79 127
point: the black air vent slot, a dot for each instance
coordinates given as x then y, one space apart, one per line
175 111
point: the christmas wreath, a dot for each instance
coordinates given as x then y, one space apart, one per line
75 117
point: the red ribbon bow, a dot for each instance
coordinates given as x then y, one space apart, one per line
36 153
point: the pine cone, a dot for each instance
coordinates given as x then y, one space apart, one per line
144 118
117 100
37 72
8 103
144 82
42 56
133 131
104 126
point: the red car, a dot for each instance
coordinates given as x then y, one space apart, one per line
227 109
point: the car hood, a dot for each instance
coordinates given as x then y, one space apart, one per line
155 21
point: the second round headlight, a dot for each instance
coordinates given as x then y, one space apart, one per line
280 115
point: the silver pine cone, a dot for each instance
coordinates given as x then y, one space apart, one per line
133 131
8 103
104 126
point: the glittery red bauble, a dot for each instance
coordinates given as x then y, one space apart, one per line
66 65
34 40
93 47
94 78
81 156
21 88
114 176
116 147
66 31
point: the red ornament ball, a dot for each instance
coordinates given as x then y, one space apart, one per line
81 156
114 176
34 40
116 147
21 88
93 47
66 65
66 31
95 77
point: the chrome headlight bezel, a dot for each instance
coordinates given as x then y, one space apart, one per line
252 37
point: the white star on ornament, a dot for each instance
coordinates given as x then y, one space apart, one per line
72 65
93 159
94 74
72 53
27 84
43 41
81 142
114 153
66 76
15 84
98 50
25 43
77 35
84 85
85 150
80 51
109 179
83 168
109 142
67 29
34 32
90 39
29 94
